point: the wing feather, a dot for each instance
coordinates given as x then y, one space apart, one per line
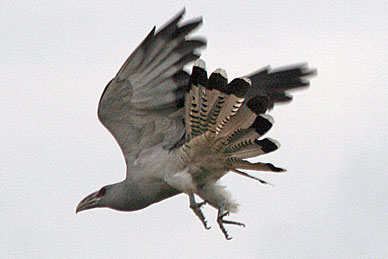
275 83
136 104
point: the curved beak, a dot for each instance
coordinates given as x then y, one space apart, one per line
88 202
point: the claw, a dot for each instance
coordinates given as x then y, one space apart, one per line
221 222
196 207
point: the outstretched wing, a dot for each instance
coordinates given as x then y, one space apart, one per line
275 83
140 105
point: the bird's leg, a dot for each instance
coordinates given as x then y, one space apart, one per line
196 207
220 220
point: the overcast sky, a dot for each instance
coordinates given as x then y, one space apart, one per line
55 61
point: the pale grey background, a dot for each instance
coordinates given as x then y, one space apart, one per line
55 60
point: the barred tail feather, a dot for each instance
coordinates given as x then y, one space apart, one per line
218 82
235 90
198 80
262 124
205 93
237 163
246 116
249 149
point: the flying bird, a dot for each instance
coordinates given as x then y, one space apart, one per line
181 132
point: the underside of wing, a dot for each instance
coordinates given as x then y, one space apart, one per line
140 105
276 83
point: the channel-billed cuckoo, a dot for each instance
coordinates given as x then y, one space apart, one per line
181 132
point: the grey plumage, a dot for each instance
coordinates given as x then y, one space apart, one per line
181 133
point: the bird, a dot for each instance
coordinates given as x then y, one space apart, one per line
180 132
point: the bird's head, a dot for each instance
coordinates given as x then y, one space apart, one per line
94 200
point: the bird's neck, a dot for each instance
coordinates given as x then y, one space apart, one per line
136 194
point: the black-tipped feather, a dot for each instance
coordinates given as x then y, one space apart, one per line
259 104
237 163
248 148
267 145
199 76
219 82
261 125
238 87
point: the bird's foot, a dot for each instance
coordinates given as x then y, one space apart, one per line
196 207
221 222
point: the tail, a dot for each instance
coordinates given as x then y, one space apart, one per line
218 113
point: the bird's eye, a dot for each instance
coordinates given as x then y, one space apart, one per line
101 193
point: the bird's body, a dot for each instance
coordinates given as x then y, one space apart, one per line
181 133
